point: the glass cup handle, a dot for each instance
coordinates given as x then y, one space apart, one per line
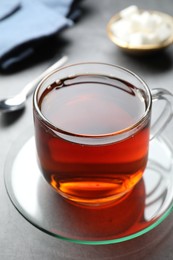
167 112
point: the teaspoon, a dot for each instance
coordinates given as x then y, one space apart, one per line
18 101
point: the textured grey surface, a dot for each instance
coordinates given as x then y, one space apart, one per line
86 41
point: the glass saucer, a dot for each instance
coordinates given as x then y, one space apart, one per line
148 204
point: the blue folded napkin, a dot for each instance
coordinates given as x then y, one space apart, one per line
25 25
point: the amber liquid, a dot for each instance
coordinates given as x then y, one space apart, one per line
91 170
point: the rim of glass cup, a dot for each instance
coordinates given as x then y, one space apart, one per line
131 129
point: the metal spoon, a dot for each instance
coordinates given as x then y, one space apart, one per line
18 101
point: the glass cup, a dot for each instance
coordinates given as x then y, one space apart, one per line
92 130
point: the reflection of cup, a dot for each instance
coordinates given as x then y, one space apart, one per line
118 220
92 130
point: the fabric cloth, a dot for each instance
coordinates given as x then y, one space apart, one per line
25 24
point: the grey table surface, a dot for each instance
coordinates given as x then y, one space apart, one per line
86 41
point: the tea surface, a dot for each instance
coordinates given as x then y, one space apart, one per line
92 105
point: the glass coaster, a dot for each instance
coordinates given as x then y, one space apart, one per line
145 207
